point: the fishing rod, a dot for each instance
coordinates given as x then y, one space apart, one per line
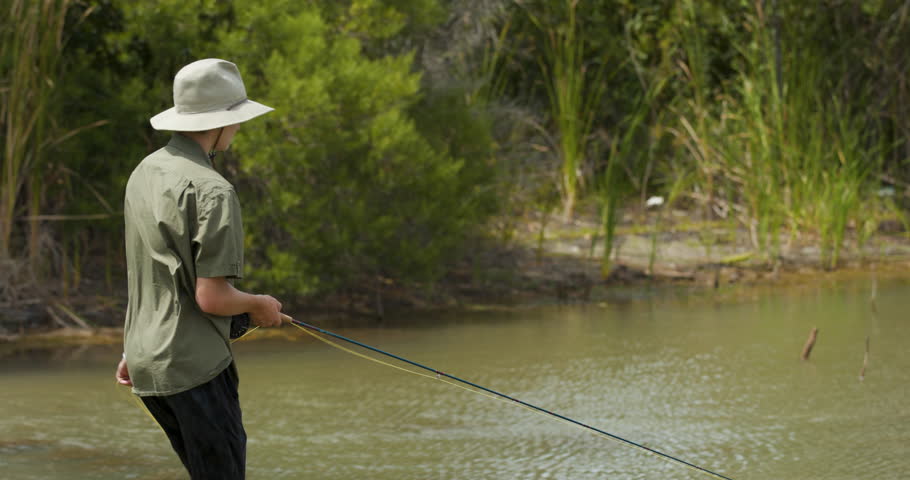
502 396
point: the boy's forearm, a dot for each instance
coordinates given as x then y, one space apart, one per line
216 296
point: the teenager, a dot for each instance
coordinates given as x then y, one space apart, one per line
184 246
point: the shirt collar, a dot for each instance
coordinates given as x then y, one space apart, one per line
189 146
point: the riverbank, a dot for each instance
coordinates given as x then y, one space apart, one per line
542 287
561 263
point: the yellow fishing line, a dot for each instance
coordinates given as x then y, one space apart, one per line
367 357
135 400
433 377
331 343
245 334
488 395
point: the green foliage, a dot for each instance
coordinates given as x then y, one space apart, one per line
391 143
358 175
574 90
795 159
349 187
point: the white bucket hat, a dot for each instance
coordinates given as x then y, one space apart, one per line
208 94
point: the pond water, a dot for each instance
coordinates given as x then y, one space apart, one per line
716 383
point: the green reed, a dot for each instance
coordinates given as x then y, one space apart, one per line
30 53
630 147
486 75
794 163
574 92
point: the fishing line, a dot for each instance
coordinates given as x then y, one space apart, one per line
486 392
135 400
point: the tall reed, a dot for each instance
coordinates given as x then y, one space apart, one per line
574 92
627 153
31 49
794 160
486 75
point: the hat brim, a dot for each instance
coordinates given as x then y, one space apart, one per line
170 119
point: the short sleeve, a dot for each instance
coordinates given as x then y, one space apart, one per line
218 240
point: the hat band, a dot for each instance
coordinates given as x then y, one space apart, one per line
192 110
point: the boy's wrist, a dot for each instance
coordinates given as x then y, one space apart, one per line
256 303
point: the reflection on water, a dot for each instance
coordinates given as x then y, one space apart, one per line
719 385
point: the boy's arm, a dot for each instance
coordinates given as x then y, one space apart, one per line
216 296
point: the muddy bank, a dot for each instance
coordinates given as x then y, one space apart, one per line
561 265
551 282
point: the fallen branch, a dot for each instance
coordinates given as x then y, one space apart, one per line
59 321
862 372
69 313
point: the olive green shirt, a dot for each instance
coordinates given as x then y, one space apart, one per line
182 222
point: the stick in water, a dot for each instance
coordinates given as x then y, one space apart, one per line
810 342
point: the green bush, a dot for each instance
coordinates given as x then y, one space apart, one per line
360 173
349 186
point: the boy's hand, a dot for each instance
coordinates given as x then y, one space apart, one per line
267 314
123 374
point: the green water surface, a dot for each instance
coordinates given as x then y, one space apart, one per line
717 383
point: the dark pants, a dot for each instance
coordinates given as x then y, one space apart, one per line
205 427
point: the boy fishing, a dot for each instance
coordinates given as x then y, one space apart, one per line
184 246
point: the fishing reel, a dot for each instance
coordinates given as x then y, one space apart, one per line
240 324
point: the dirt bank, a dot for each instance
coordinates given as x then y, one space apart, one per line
561 265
